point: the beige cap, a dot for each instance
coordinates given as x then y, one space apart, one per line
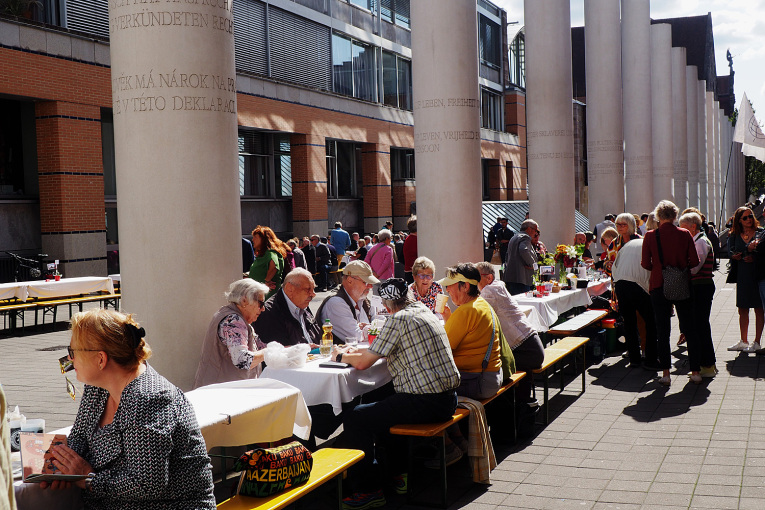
362 270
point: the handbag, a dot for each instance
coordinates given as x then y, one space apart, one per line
267 471
677 282
732 271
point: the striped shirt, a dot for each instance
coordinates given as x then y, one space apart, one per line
419 356
702 274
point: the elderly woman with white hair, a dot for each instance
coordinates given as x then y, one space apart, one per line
231 351
627 230
380 257
666 246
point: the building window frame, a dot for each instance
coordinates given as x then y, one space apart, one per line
491 110
265 165
489 42
343 164
402 164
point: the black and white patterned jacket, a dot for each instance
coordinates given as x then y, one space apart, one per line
152 456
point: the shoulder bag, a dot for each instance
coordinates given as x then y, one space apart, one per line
267 471
677 282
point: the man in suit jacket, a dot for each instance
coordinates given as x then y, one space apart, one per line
286 317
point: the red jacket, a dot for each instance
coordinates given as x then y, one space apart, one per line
677 248
410 252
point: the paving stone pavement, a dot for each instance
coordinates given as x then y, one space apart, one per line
627 442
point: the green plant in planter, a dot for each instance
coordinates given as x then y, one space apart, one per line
18 7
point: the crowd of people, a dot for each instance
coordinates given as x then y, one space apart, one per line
134 427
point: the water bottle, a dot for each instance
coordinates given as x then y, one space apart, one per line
326 339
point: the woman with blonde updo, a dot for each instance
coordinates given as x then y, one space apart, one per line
135 435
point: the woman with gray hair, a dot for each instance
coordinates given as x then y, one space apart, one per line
231 351
424 289
380 257
626 228
667 246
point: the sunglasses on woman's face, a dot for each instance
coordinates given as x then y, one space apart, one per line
747 217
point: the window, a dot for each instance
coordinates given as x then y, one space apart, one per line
518 60
354 68
485 179
491 110
395 11
265 167
18 149
343 158
402 163
489 42
364 4
397 81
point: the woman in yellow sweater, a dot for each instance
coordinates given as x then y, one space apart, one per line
474 333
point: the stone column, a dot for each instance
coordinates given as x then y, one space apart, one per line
605 154
711 166
636 72
679 129
692 122
447 130
703 204
376 180
175 131
308 154
550 119
661 108
71 178
724 156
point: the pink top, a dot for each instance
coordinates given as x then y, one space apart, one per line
380 259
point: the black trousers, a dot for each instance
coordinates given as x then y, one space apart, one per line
662 311
633 300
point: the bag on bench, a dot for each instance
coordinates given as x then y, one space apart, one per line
267 471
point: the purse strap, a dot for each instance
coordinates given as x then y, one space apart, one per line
485 362
658 245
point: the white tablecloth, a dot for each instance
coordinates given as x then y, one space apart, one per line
331 385
53 289
550 307
249 411
598 288
8 290
532 315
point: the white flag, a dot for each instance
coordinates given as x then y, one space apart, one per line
748 131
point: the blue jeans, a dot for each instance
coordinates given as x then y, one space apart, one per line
367 426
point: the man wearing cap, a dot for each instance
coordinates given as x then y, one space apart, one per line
348 309
424 377
286 317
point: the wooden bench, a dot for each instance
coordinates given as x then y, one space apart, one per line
555 353
413 430
577 323
328 463
15 311
51 306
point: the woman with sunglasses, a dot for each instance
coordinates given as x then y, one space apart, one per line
135 437
424 288
231 350
746 229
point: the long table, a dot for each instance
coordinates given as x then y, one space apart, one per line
54 289
333 386
549 308
249 411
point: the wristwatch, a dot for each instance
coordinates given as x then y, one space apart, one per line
339 358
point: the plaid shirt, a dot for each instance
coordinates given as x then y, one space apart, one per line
419 356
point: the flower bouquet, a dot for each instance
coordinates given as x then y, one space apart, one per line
569 255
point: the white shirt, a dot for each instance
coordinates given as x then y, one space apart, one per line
627 265
339 314
702 250
515 326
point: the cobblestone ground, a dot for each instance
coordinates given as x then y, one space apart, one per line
627 442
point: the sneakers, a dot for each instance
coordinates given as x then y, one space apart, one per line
400 483
710 371
665 380
696 378
362 500
754 347
453 454
741 346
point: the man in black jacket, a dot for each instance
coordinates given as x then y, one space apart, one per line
286 317
323 262
310 255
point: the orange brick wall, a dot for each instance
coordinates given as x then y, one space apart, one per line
309 178
376 179
70 167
